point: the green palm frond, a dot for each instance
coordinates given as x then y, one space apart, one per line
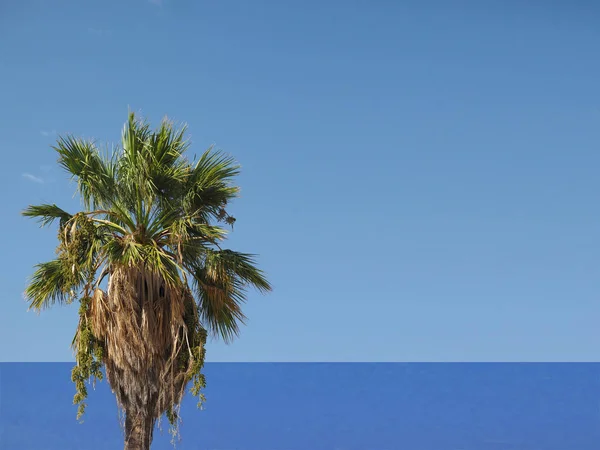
220 282
209 184
214 167
206 233
219 304
238 265
168 145
94 174
52 282
134 139
47 214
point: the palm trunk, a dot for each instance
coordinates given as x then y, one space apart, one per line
138 431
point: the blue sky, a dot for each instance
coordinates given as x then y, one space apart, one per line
419 177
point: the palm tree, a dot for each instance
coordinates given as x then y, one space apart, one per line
144 260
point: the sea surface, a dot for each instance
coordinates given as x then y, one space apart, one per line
322 406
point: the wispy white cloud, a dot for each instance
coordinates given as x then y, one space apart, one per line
100 31
47 133
33 178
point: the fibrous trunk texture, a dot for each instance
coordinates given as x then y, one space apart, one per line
138 432
141 321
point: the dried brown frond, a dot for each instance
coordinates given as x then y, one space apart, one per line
150 350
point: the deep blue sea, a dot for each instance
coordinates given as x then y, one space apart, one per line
321 406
